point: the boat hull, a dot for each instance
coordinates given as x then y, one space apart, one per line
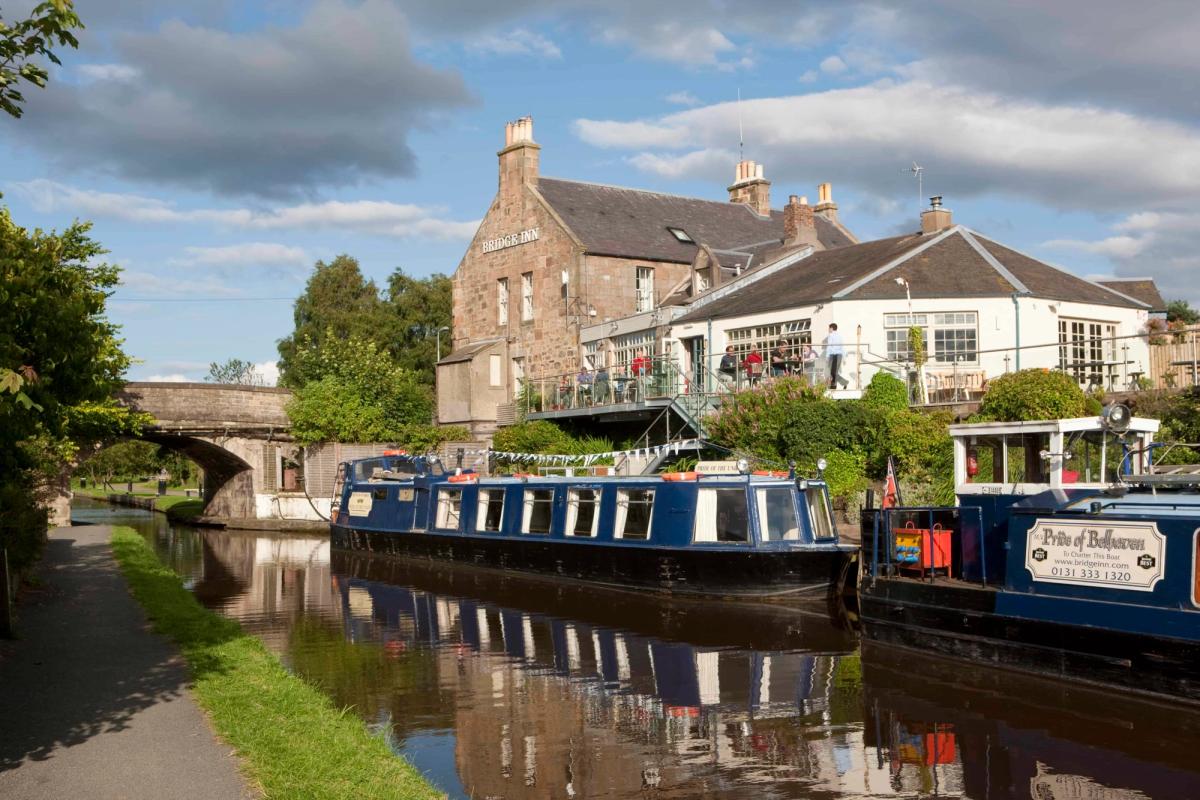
961 621
762 575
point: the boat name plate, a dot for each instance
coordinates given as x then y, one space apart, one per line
1118 555
360 504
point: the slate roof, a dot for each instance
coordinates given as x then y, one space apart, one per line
468 351
631 223
954 263
1143 289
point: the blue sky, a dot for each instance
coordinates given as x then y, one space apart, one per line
220 149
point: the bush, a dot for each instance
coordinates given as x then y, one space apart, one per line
538 436
1032 394
845 473
886 392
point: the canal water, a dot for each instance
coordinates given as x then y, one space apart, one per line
502 687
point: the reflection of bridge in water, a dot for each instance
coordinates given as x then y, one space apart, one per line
505 687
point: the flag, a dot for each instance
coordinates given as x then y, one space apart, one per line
891 487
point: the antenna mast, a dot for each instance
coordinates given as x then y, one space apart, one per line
741 138
919 173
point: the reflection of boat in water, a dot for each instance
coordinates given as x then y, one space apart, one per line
729 624
1067 554
997 734
764 536
557 690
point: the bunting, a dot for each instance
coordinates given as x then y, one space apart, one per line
588 459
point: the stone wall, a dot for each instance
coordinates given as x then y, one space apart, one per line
209 405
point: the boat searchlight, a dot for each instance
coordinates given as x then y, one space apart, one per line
1116 418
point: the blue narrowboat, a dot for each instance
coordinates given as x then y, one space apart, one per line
1069 552
746 535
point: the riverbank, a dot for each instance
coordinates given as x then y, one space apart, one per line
178 508
94 704
293 740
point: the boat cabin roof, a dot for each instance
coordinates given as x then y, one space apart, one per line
1068 425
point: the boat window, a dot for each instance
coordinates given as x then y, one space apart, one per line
401 466
1196 570
819 515
777 515
449 509
583 512
1095 457
633 513
363 470
490 514
721 516
1023 452
539 510
985 459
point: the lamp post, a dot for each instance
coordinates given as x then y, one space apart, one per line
911 324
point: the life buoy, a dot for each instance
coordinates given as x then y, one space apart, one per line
770 473
679 476
468 477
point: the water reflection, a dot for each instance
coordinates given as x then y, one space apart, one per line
506 687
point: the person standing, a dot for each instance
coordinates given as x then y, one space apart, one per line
835 349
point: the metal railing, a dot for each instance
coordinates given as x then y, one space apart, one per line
888 523
650 379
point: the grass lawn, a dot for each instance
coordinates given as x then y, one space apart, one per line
293 742
179 507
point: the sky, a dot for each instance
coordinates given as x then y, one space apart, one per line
222 148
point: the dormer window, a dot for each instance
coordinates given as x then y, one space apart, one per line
681 235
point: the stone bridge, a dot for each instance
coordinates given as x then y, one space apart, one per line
238 435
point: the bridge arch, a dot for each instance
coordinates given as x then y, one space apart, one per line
236 434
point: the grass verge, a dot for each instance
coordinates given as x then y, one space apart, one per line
292 740
178 507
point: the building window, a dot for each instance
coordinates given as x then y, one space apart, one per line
634 507
681 235
583 512
1084 346
489 517
594 355
721 516
518 375
955 336
539 511
502 301
644 287
449 509
777 515
526 296
764 338
626 348
495 370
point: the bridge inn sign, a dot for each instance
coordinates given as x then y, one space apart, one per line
511 240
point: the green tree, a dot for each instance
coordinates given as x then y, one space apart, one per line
886 392
58 341
130 460
338 303
1182 311
361 396
420 308
24 41
235 371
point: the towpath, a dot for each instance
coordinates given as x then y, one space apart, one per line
92 703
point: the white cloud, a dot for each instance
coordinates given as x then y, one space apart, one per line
149 285
382 218
684 98
833 65
669 40
809 76
972 143
517 42
268 371
107 72
174 377
245 254
711 163
1115 246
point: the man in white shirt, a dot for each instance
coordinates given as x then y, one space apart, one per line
834 350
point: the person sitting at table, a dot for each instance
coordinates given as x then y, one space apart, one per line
584 381
564 392
639 368
753 365
600 391
727 370
779 360
808 362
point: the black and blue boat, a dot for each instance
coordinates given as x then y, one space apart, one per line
747 535
1069 553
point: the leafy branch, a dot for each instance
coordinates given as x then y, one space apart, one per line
28 39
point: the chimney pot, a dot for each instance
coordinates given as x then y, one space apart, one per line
936 218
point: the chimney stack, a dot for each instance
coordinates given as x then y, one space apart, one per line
518 158
935 218
799 227
750 187
825 205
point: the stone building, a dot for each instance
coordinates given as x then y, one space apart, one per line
553 256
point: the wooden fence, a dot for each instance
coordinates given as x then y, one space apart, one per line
1175 359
